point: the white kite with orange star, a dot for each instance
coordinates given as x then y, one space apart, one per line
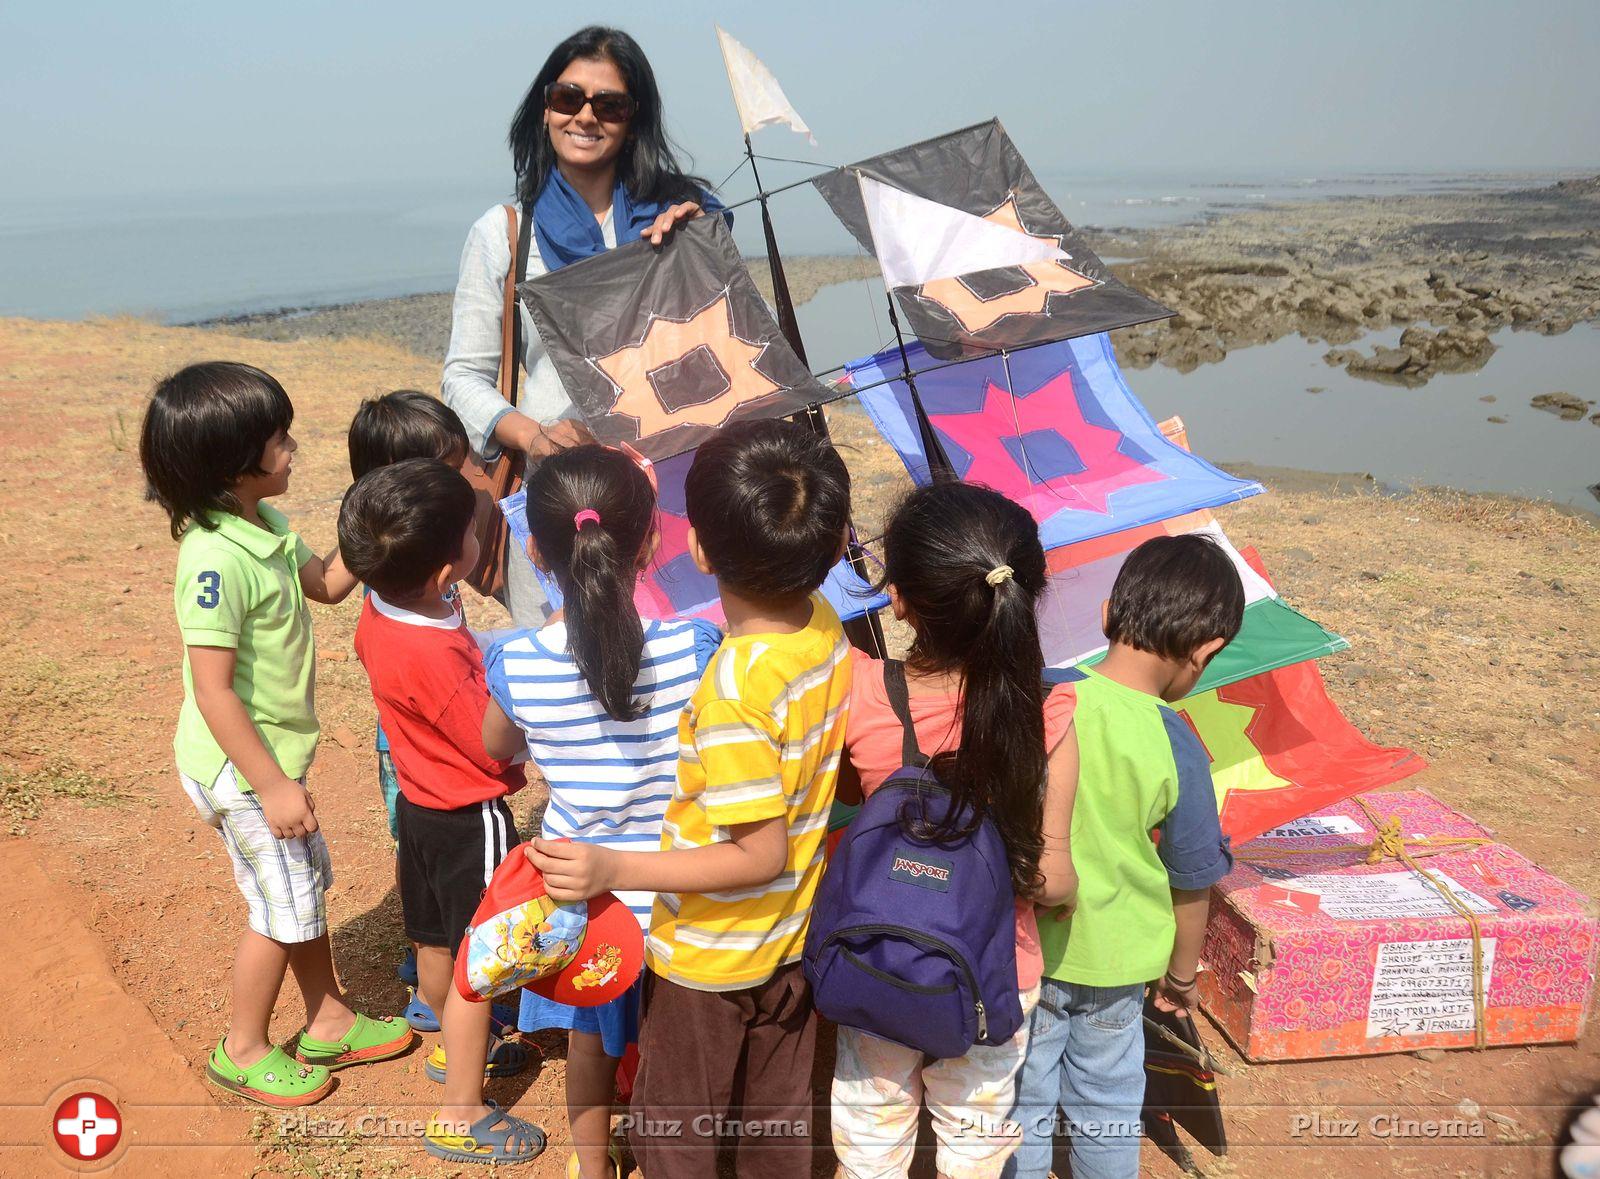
975 253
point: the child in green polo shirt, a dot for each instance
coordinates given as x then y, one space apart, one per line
1140 912
214 445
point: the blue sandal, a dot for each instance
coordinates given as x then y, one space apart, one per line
505 1060
407 970
420 1016
487 1140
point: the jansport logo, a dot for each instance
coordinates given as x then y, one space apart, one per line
921 869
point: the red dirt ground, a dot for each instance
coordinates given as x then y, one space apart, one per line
1473 641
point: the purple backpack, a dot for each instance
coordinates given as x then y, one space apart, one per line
911 940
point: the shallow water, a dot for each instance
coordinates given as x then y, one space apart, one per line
1253 406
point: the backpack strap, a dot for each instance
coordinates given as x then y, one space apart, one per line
894 684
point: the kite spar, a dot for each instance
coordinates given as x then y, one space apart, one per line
761 102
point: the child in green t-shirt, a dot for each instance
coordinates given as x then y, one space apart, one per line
215 444
1140 912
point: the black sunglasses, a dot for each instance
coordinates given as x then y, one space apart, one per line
610 106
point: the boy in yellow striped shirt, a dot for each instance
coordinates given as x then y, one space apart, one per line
728 1023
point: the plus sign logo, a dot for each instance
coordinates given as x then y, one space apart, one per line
87 1126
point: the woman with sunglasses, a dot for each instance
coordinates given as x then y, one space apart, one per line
595 169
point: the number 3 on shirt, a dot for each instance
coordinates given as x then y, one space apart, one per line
210 587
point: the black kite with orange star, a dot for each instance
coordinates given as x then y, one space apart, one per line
661 346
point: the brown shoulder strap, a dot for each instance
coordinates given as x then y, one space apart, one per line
510 321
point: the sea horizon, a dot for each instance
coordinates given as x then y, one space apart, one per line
191 257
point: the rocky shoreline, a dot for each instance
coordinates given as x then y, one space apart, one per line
1451 269
421 323
1465 264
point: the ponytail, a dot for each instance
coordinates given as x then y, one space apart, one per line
969 568
591 510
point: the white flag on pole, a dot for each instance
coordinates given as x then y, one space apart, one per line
756 93
918 241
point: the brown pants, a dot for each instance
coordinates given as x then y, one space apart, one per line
734 1064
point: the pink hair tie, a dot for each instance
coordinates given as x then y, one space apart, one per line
579 519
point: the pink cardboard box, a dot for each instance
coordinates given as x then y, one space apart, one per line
1322 954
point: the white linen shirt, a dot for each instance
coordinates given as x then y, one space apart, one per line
472 365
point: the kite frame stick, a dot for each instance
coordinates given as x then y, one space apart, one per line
943 364
940 468
869 632
763 195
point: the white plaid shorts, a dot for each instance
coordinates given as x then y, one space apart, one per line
284 881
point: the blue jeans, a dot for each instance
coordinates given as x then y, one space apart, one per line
1085 1054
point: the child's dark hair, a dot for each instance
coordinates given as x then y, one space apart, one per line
769 501
1173 594
404 424
401 524
968 566
591 510
205 429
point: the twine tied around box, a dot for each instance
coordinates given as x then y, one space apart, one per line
1390 843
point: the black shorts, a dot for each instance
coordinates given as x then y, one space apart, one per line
446 859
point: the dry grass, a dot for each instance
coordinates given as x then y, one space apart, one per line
1472 623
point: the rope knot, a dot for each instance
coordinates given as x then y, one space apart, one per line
1388 843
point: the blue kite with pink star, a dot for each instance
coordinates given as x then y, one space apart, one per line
1054 428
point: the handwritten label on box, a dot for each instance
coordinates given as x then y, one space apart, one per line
1384 896
1420 988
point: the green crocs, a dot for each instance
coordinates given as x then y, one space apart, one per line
273 1080
367 1040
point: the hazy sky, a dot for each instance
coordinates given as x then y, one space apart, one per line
102 98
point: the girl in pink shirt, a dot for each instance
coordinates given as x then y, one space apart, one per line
964 569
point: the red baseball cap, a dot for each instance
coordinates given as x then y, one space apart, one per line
583 954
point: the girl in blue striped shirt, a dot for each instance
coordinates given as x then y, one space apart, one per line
595 696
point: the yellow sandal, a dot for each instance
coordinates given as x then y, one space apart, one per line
615 1151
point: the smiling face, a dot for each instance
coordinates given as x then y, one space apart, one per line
582 142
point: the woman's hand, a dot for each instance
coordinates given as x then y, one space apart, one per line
558 436
521 432
667 222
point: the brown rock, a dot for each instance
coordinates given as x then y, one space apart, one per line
1566 406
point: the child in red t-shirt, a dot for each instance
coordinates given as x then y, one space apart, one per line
407 530
964 569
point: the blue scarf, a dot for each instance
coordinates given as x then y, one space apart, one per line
566 229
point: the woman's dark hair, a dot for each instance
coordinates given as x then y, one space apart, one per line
596 561
944 546
648 166
1173 594
401 524
769 501
205 429
404 424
